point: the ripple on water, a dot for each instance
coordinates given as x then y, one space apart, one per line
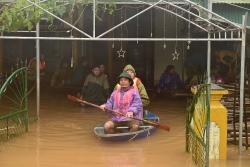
63 136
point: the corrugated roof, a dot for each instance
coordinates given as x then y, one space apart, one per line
232 1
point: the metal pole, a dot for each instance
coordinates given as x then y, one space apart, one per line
199 6
59 19
209 2
120 39
208 60
242 79
175 15
37 68
209 44
32 5
182 61
176 6
130 18
93 18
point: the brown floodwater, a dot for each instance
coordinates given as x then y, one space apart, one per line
63 137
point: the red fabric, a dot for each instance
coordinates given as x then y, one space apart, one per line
42 63
124 103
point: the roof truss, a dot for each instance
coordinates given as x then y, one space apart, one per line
216 25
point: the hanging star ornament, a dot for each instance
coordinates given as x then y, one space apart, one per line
188 46
72 62
175 55
121 53
164 46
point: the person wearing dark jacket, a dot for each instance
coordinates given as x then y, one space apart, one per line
96 87
170 80
81 72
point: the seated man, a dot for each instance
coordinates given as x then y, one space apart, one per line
60 76
126 100
96 87
81 72
170 80
103 69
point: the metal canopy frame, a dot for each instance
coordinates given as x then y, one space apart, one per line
212 23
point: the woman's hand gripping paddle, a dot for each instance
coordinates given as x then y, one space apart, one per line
156 124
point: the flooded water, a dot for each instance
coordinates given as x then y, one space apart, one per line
63 137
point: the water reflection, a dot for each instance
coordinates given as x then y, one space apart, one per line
38 135
128 154
63 137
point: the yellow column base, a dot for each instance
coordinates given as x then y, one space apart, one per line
218 114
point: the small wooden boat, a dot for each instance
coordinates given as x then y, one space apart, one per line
125 135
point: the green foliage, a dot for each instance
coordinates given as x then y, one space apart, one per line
20 14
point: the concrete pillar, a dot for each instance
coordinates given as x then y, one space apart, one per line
218 115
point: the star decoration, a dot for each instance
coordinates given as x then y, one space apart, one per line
188 46
175 55
121 53
72 62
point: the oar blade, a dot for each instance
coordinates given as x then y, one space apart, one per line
163 127
158 125
73 98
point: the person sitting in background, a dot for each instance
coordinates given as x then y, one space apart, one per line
32 68
170 80
125 100
81 72
96 87
102 69
196 64
60 76
138 85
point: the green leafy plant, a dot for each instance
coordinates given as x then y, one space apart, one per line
20 14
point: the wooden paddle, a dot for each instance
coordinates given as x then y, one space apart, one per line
156 124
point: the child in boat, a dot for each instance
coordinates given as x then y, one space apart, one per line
126 100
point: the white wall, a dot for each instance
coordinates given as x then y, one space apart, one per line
163 57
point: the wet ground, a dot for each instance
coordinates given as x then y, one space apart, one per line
63 137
